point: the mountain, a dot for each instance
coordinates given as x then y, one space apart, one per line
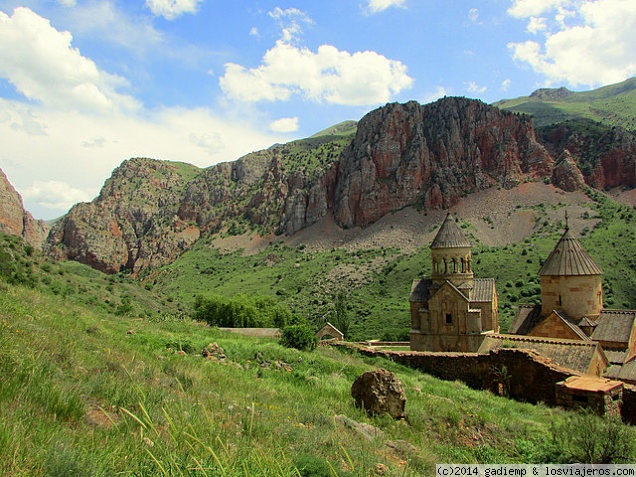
14 220
613 105
427 156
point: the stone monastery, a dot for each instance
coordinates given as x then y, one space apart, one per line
453 311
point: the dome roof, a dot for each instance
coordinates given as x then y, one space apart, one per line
569 258
449 235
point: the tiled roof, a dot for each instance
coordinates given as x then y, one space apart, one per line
573 354
628 371
614 326
449 235
615 357
525 319
421 290
483 289
569 258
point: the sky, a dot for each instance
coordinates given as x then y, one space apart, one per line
87 84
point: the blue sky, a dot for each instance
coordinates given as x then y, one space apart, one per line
86 84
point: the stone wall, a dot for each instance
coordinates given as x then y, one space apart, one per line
522 375
628 410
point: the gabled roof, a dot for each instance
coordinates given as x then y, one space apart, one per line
614 326
421 290
483 289
573 354
525 319
449 235
569 258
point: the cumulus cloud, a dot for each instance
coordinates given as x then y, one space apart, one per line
376 6
505 84
328 74
586 43
171 9
55 195
284 125
473 14
41 63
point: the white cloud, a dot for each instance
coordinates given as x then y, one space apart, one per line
376 6
536 25
530 8
505 84
55 195
284 125
171 9
439 92
473 14
474 88
290 21
42 65
68 3
82 149
587 43
330 75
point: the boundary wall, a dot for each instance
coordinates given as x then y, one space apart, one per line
523 375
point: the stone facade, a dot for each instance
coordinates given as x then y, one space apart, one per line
580 295
452 310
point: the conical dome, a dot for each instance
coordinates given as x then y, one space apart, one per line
449 235
569 258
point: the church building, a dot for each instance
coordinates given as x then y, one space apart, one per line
452 310
572 312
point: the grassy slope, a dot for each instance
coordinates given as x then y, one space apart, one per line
378 306
85 392
613 105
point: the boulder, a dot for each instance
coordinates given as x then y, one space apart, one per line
379 392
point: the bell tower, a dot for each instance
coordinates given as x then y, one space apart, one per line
451 255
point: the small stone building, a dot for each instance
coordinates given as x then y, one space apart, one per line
452 310
602 396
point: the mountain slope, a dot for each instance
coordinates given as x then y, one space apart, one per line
14 220
613 105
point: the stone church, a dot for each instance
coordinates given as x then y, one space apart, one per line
571 315
452 310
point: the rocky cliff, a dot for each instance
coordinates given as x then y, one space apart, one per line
432 155
14 220
401 154
133 223
605 156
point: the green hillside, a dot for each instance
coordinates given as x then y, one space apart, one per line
93 391
613 105
377 281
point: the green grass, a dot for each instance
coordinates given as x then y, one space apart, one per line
86 392
613 105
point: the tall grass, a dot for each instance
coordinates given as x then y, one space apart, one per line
89 393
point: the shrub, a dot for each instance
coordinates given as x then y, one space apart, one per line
301 336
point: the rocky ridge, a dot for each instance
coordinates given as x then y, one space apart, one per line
426 156
14 220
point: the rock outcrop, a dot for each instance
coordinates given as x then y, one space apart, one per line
14 220
432 155
606 156
566 174
134 222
